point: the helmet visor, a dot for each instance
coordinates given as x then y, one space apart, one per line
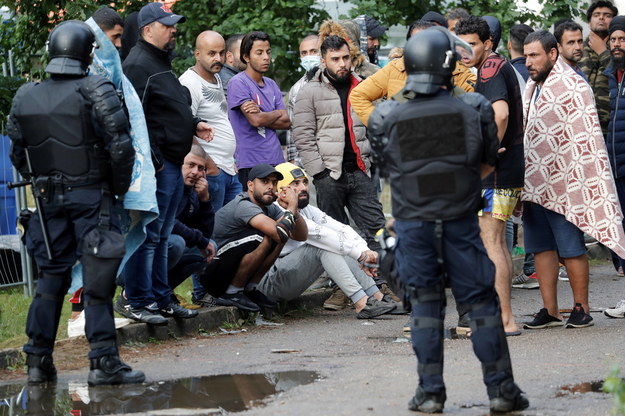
462 48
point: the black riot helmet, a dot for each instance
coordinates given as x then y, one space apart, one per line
70 47
430 58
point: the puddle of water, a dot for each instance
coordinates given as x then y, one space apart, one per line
580 388
232 393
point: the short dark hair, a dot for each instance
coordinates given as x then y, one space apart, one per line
471 25
418 24
332 43
518 33
248 42
107 18
457 14
232 40
546 39
601 3
570 26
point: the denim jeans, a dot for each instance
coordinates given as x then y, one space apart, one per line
356 192
146 270
223 188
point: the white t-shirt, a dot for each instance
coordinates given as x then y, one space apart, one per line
209 103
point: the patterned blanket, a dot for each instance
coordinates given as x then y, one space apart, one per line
566 163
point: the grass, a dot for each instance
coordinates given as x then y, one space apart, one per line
14 310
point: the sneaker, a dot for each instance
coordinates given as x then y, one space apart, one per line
375 308
507 397
619 271
76 326
337 300
563 275
146 314
427 402
616 312
41 369
261 299
579 318
174 310
399 307
386 290
523 281
407 326
239 300
180 300
109 369
543 320
463 327
205 301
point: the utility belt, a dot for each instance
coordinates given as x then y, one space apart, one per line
46 187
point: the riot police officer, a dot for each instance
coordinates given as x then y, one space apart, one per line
70 137
437 148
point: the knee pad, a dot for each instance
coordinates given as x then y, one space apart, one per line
421 295
52 287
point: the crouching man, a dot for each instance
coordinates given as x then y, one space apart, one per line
250 232
331 246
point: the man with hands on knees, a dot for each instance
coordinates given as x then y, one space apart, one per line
250 232
331 246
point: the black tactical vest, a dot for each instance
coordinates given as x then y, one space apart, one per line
57 125
434 154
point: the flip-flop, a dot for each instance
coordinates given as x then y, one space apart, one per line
513 333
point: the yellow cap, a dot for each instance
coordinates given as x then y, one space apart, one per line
290 173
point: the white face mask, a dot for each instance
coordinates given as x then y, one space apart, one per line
308 62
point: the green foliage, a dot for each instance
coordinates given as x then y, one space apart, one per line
28 33
285 21
402 12
616 386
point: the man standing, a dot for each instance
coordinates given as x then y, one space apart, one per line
436 194
171 127
70 135
497 81
570 44
615 141
233 64
569 189
250 232
209 103
374 31
309 59
518 33
596 56
331 246
256 108
333 145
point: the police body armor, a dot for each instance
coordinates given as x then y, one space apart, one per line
57 126
434 154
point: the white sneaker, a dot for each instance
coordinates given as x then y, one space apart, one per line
76 326
617 312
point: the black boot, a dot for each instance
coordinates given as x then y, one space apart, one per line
427 402
507 397
40 369
109 369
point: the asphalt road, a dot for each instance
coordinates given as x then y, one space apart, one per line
367 368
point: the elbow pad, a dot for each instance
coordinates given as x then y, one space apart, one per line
122 162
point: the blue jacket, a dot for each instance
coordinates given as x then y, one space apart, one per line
615 140
195 220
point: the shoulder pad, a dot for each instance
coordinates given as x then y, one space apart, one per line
97 84
378 118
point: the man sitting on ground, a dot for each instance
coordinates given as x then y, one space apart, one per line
332 246
250 232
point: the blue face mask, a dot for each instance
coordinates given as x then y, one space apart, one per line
308 62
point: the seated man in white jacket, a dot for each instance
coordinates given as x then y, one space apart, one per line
331 246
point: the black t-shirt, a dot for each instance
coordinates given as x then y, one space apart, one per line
497 81
349 156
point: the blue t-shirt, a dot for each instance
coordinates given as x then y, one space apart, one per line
254 144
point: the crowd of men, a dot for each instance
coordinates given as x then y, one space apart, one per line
231 212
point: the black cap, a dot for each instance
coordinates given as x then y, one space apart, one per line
158 12
374 28
618 23
495 29
262 171
436 18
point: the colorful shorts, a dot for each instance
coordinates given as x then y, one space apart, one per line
500 202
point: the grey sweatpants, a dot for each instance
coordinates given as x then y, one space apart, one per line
292 274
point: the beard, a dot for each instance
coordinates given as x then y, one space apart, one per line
618 62
264 199
541 76
337 78
303 202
